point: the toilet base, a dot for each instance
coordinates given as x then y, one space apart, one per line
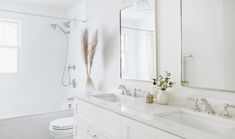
61 135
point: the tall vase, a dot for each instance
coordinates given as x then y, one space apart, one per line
89 87
163 97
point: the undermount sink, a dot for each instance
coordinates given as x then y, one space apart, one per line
107 97
111 97
208 123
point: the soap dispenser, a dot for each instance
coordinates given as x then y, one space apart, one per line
154 89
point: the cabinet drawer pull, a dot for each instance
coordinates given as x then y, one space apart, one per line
91 134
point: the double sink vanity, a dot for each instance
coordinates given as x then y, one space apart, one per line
113 115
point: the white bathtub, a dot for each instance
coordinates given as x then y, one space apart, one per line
30 126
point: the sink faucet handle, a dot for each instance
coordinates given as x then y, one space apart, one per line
225 113
135 89
195 106
135 92
230 106
128 93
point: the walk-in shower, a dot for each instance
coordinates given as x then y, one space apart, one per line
66 66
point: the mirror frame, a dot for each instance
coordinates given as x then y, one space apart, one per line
156 45
181 44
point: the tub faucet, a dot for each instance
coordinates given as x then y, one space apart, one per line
208 108
70 101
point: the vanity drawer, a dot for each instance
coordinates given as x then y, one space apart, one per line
93 130
82 131
98 118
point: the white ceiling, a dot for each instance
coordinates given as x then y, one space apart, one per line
59 4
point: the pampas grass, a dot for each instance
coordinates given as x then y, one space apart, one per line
93 50
89 50
85 47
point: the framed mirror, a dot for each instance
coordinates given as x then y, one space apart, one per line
138 49
208 44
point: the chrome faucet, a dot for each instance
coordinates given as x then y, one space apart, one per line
70 102
124 90
208 108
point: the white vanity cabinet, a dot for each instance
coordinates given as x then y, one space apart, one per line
94 122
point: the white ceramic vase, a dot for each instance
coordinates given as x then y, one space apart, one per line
162 97
89 87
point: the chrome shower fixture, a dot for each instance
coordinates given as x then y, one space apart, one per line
67 68
72 82
67 24
71 67
55 26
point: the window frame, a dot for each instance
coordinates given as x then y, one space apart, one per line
17 47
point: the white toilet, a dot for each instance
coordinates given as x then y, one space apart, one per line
62 128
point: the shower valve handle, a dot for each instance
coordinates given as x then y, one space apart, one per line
72 67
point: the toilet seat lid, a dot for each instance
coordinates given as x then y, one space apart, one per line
62 123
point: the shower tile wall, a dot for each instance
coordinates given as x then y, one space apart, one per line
42 60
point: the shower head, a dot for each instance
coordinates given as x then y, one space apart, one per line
53 26
67 24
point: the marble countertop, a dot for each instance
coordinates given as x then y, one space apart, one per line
137 109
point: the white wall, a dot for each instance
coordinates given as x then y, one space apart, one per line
104 15
229 42
42 59
31 8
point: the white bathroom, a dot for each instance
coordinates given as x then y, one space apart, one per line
117 69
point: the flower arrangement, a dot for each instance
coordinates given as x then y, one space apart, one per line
164 81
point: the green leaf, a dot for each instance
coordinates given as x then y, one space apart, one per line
164 81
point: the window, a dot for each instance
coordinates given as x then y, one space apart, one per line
9 46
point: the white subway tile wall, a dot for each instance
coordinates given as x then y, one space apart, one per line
42 57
